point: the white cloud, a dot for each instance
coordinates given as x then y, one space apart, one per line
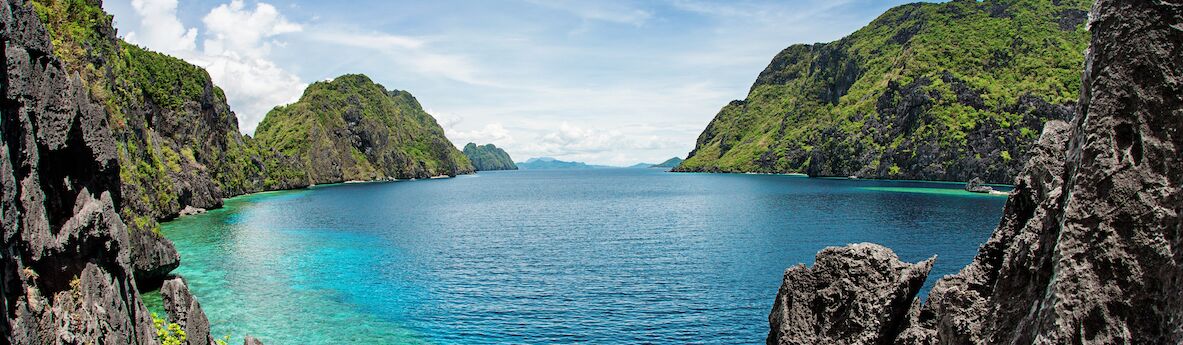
235 52
412 53
167 34
373 40
235 29
494 133
607 11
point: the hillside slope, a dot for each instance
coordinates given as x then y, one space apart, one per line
351 128
944 91
488 157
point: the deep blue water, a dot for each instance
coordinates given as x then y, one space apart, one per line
594 256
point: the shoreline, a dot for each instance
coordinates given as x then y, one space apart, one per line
308 187
847 178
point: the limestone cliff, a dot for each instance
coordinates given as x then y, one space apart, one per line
66 272
1090 247
176 139
488 157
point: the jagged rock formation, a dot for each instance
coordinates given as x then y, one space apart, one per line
185 311
488 157
821 306
935 91
351 128
66 272
153 257
1090 248
177 141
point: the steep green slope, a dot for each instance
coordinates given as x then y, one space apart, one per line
351 128
944 91
488 157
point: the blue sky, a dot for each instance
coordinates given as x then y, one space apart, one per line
605 82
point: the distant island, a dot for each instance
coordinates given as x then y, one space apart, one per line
548 163
669 163
488 157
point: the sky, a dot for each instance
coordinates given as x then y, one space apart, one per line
604 81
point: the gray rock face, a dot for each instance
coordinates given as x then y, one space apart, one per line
65 265
1090 247
859 294
185 311
153 256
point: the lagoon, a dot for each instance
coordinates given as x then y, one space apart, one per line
555 256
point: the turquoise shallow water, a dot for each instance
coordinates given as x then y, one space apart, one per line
596 256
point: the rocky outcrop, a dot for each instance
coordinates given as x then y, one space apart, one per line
859 294
1090 247
976 185
935 91
488 157
66 273
184 310
154 257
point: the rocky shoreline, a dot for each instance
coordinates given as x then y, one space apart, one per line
1089 247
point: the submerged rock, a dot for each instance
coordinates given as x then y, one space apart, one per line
858 294
251 341
1090 247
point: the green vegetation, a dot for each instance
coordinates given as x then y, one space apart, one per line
931 91
168 333
178 141
488 157
351 128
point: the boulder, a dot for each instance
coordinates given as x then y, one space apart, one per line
976 185
153 257
858 294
